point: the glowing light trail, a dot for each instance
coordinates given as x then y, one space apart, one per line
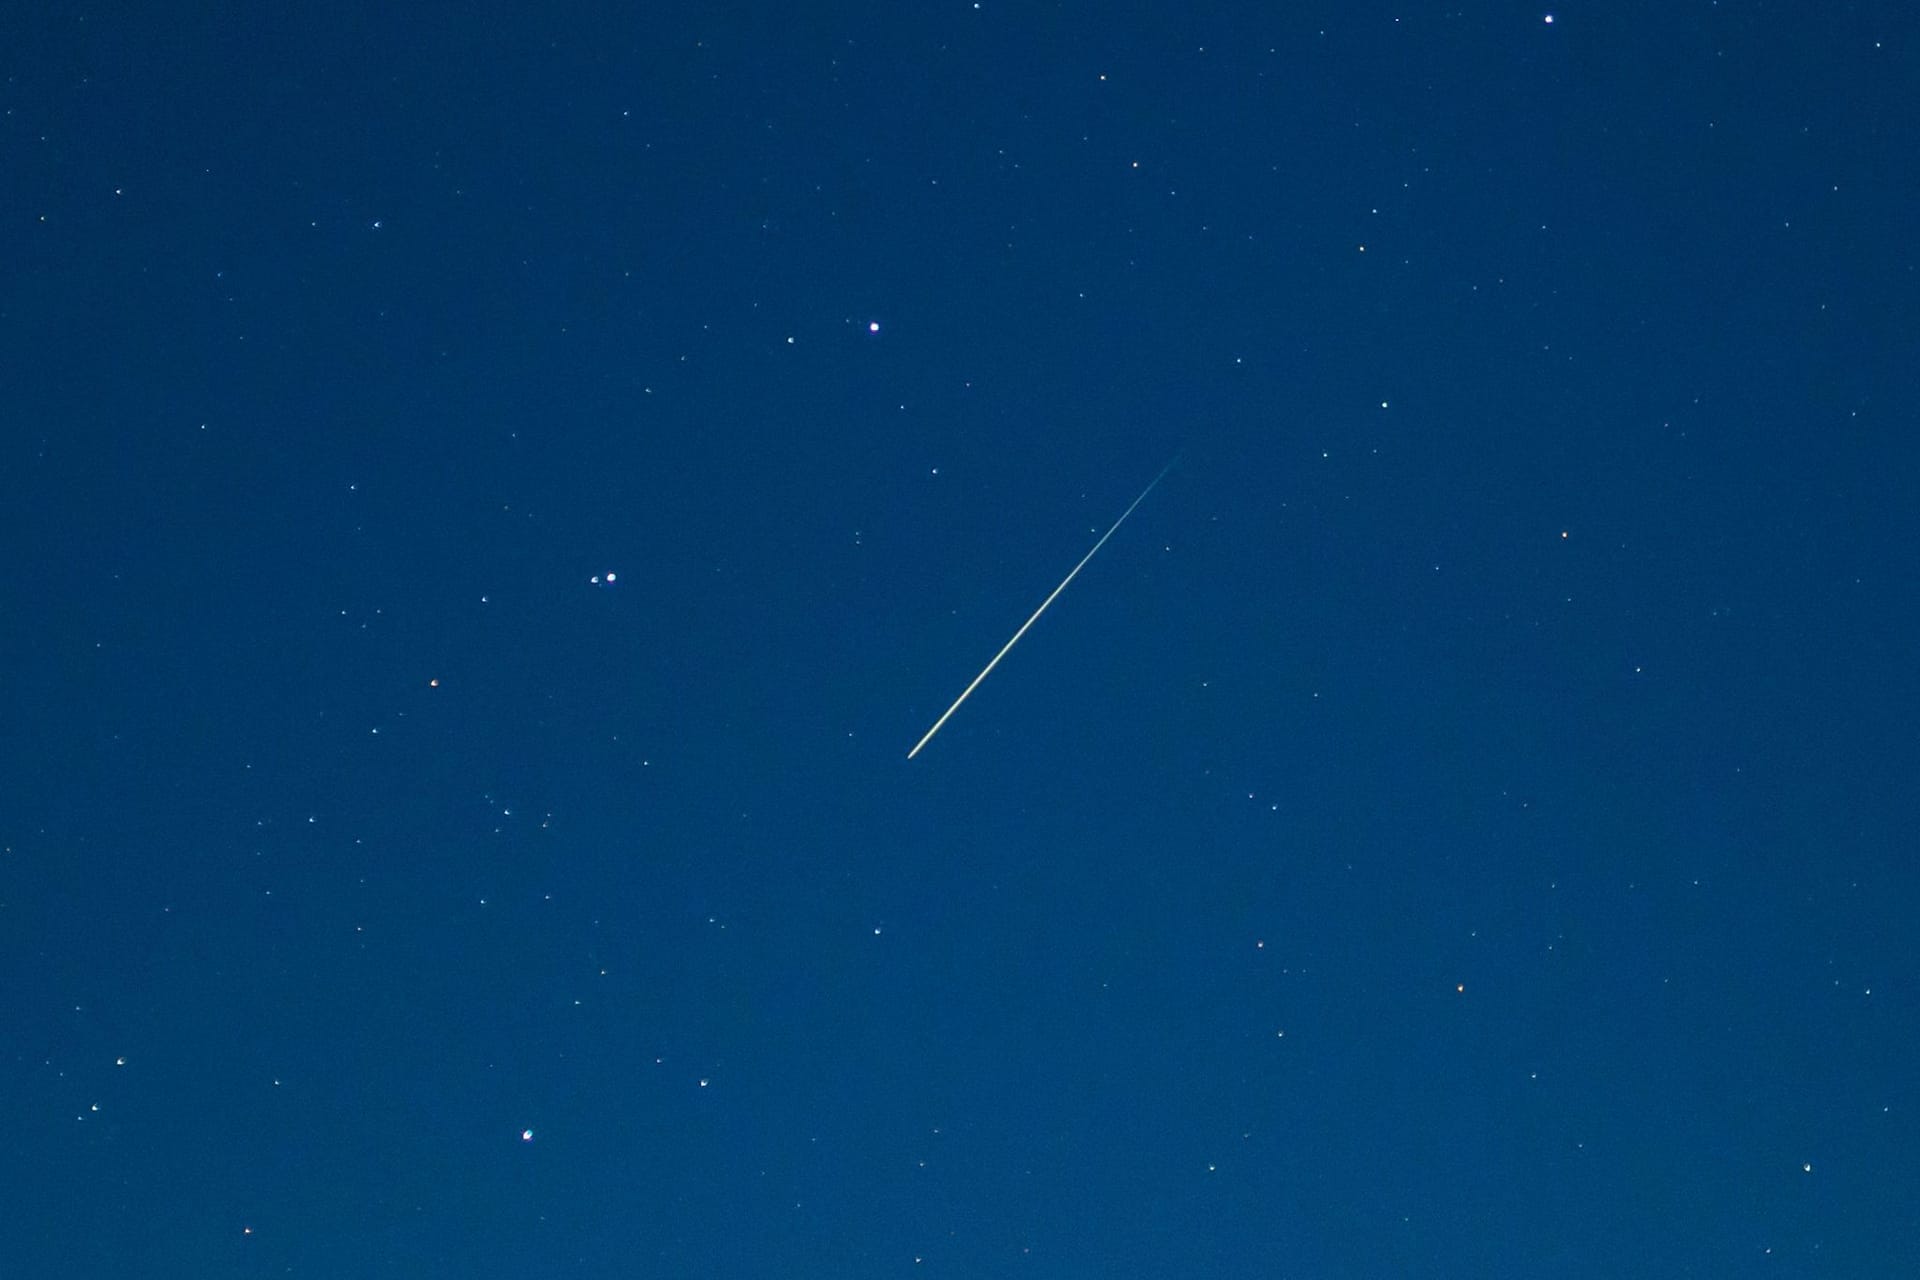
964 693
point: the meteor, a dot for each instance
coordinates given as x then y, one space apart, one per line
964 693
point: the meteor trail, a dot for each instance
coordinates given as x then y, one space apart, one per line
964 693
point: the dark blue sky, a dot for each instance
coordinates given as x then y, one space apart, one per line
490 498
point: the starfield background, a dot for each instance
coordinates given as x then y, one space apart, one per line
491 494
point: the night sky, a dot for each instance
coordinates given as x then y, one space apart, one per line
491 496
